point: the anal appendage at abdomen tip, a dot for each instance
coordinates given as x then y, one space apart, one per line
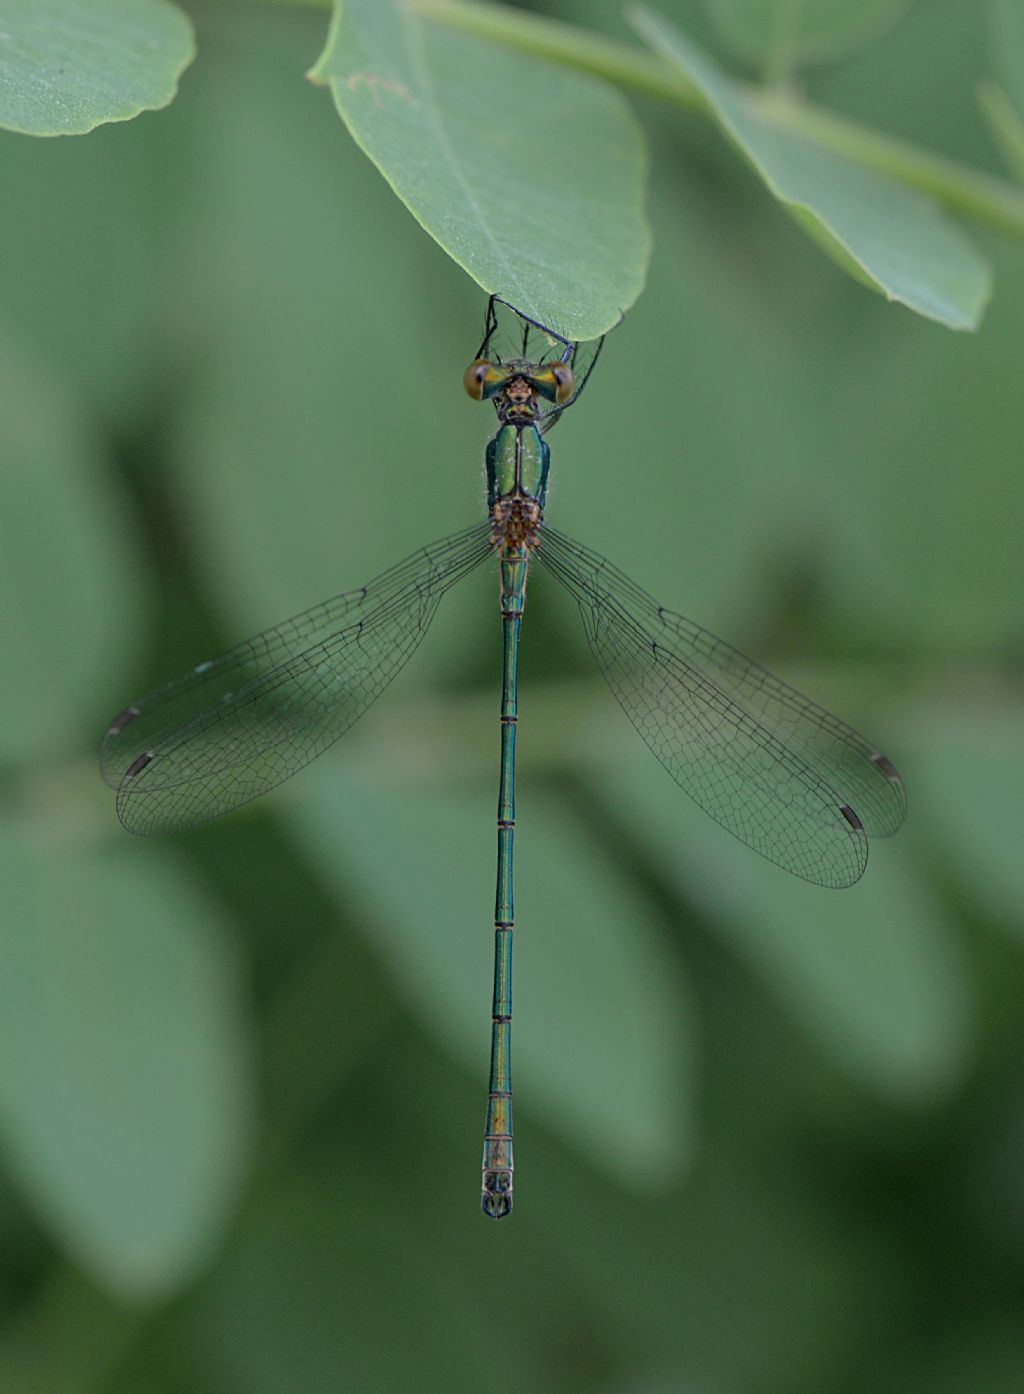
496 1198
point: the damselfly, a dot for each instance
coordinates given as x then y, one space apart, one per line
784 776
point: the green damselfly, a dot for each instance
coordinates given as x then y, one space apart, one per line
783 775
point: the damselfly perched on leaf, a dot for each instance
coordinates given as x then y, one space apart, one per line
784 776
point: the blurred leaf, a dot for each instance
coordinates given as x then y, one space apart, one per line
982 1352
321 385
873 971
971 766
1006 33
69 607
530 176
375 1229
802 30
919 516
356 1243
1005 124
124 1097
601 1011
86 253
1002 102
886 236
67 67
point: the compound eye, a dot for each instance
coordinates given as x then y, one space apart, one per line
475 378
565 382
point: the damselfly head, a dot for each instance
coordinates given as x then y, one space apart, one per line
514 387
517 350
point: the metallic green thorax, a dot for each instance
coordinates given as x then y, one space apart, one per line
518 459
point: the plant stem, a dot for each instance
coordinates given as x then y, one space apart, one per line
563 43
982 196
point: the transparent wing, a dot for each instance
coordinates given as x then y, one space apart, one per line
780 773
236 726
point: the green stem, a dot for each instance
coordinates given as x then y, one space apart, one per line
564 43
982 196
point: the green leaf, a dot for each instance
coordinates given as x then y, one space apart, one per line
124 1096
67 67
801 30
530 176
891 239
600 1007
69 608
874 972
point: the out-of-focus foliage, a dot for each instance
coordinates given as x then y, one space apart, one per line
784 32
81 610
769 1137
1002 97
604 1031
1007 21
133 1165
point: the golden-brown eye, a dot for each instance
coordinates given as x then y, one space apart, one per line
474 378
565 382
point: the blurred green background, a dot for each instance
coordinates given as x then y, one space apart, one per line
769 1137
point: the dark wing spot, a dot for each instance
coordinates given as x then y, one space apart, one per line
851 818
137 766
123 719
886 766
